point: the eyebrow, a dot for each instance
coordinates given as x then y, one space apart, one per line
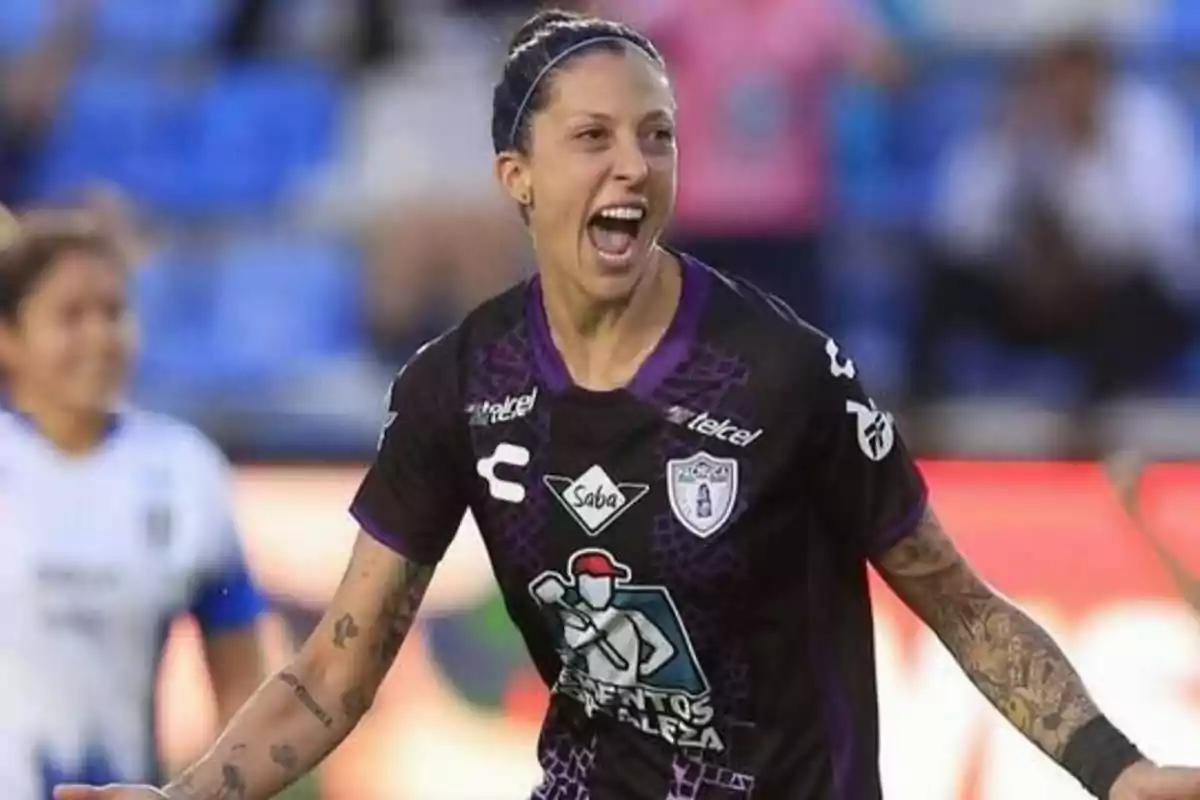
599 116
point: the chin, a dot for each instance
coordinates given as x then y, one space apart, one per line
609 280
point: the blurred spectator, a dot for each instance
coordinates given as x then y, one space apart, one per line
753 79
415 180
30 87
371 31
1067 227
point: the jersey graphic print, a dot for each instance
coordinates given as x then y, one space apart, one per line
702 490
593 499
876 429
625 651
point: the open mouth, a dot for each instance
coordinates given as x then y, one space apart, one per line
614 230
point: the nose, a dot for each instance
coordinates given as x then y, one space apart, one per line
630 164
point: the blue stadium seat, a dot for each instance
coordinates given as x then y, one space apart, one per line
1180 31
157 28
173 296
972 365
22 23
286 305
950 100
261 127
131 127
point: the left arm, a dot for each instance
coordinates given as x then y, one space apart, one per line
1017 666
237 667
1008 656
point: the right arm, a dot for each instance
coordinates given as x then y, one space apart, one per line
303 712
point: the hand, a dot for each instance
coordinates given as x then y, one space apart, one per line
114 791
1145 781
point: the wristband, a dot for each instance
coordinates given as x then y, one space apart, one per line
1097 754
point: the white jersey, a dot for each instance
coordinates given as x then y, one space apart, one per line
98 554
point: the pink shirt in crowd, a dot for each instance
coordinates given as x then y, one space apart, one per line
752 78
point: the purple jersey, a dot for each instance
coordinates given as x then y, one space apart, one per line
685 558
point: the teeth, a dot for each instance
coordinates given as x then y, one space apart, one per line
631 213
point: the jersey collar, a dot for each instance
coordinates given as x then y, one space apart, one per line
671 351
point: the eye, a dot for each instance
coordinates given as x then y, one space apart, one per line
591 134
664 134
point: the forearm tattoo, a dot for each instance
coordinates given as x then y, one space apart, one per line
399 610
232 786
1008 656
306 699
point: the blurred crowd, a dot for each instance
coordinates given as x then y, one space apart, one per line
992 206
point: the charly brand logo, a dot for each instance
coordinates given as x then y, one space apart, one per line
513 407
721 429
625 651
512 455
594 500
876 429
702 491
838 367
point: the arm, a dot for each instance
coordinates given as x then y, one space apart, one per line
1008 656
1015 664
302 713
237 667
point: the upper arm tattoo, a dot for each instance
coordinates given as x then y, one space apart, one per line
1008 656
405 592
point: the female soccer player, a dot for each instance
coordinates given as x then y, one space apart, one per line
113 522
680 485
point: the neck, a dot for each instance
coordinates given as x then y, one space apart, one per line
70 431
603 344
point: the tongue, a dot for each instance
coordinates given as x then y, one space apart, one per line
609 241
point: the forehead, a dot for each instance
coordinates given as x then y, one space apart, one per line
77 271
612 83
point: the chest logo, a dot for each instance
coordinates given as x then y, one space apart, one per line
625 650
702 490
594 500
506 454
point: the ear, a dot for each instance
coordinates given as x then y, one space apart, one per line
512 170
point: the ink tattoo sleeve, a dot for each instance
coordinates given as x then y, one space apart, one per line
1011 659
301 714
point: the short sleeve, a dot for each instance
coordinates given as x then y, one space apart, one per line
225 597
228 599
866 487
413 496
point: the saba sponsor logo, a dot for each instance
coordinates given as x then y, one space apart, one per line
721 429
512 407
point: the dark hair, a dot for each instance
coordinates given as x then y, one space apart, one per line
39 242
541 46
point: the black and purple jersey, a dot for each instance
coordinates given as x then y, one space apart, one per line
685 557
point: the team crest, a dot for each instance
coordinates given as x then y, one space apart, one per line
702 491
876 429
158 525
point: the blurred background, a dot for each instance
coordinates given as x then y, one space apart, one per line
993 207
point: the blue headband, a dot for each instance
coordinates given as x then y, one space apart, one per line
551 64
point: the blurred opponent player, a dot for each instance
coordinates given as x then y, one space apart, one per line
112 523
680 485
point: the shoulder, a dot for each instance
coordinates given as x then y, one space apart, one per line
183 443
750 321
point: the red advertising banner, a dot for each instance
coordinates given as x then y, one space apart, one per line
458 716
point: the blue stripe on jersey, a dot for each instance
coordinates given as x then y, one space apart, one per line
228 600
